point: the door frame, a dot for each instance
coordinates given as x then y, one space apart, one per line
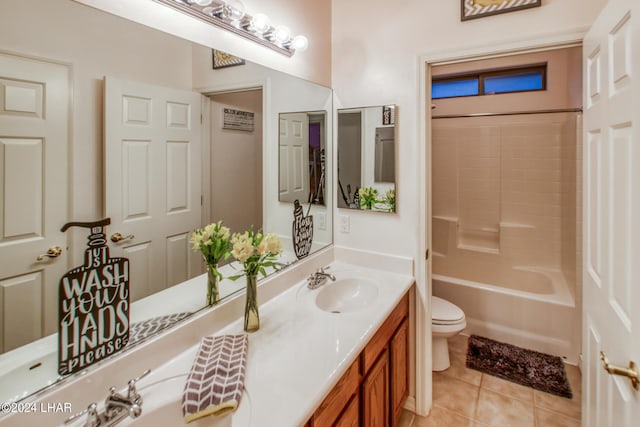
423 374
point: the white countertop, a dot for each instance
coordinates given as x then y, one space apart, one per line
295 358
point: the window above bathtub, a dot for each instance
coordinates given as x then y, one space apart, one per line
490 82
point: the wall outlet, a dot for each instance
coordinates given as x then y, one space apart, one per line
322 220
345 223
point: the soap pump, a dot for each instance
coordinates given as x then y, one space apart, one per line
93 304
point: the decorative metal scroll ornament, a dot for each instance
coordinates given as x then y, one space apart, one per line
94 304
302 230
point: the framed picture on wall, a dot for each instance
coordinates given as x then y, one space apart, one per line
223 59
472 9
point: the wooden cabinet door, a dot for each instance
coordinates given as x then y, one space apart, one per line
351 416
399 370
333 405
375 394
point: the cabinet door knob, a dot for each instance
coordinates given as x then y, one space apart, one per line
52 252
118 237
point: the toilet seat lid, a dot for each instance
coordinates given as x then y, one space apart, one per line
443 312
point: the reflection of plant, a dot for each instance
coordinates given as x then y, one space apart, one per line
214 242
367 197
390 199
255 251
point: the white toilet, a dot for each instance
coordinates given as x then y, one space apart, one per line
447 320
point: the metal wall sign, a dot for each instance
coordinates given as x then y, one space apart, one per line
302 228
94 304
237 120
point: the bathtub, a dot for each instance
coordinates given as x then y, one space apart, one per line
537 311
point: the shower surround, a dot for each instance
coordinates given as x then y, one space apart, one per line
506 226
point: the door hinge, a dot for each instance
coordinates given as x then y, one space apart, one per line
426 255
201 119
201 199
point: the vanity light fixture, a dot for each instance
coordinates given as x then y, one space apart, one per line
231 16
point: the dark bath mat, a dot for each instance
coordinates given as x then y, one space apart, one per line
527 367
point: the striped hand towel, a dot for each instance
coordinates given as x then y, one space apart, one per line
216 380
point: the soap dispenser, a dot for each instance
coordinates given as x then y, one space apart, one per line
93 304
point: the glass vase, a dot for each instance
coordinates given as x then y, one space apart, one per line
213 293
251 316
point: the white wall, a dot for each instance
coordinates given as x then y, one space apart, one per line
309 17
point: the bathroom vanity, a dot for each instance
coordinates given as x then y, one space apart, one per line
373 390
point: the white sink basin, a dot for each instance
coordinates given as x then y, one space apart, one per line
163 407
347 295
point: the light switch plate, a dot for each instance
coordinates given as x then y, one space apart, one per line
322 220
345 223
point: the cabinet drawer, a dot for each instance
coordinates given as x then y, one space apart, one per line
381 339
333 405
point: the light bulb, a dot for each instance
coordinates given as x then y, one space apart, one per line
300 43
233 10
281 34
203 2
260 23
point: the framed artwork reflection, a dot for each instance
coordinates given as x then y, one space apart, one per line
472 9
223 59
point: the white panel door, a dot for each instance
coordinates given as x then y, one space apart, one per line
153 184
34 135
294 157
611 319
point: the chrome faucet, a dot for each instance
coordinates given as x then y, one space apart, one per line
319 278
117 407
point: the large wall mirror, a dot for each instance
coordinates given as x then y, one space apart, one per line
366 158
220 161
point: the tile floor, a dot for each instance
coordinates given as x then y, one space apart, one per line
467 398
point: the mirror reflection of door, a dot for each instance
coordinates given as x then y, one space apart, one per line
294 150
302 162
384 169
33 196
154 181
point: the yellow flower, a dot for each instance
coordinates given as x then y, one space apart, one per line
242 247
271 244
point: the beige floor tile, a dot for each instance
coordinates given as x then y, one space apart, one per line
455 395
501 411
459 370
569 407
458 344
440 417
507 388
406 419
553 419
